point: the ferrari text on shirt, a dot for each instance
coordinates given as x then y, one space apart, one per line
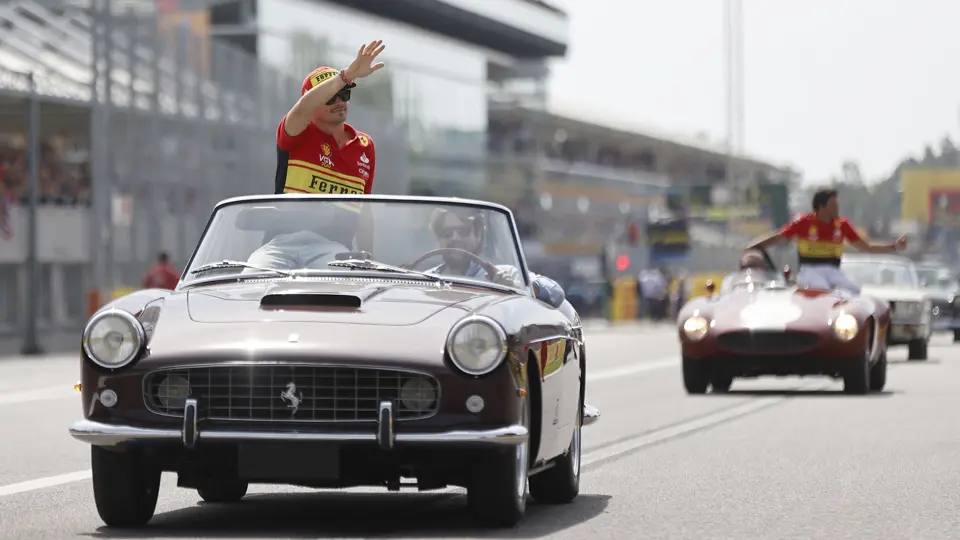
820 242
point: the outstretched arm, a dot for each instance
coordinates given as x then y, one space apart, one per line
764 242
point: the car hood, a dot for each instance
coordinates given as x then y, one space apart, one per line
893 293
380 303
773 309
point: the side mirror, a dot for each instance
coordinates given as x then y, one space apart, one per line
711 286
787 272
548 292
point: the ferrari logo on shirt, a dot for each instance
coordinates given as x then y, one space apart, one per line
813 233
364 140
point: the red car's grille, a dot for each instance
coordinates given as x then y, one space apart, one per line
287 393
783 342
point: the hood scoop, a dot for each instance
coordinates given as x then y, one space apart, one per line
311 300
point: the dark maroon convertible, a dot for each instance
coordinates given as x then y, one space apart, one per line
763 323
285 357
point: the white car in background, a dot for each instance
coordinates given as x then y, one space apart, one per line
894 279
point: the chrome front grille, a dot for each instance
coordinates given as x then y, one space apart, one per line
291 393
759 342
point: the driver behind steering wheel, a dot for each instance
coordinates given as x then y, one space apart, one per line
752 264
465 229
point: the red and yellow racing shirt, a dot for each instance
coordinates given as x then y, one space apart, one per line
312 162
819 242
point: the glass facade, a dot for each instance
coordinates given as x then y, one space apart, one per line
435 84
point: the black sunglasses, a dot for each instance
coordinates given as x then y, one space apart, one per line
344 95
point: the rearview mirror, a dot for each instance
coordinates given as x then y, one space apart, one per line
711 286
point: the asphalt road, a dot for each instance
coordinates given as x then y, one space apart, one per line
776 458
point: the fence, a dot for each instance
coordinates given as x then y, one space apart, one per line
153 124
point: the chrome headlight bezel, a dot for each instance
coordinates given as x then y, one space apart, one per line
846 327
499 346
136 329
696 327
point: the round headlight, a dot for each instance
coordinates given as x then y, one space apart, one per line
695 328
113 338
846 327
477 345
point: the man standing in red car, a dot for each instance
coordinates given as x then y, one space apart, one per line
161 275
820 237
319 153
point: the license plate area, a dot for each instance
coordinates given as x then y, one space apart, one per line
270 461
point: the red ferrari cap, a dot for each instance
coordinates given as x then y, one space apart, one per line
319 75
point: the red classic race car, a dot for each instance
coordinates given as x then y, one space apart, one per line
763 323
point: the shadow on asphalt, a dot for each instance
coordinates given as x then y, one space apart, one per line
353 515
809 393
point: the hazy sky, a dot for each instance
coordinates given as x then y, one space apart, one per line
870 80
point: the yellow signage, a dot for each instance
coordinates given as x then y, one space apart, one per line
923 188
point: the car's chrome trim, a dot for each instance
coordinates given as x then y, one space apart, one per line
294 364
590 415
100 434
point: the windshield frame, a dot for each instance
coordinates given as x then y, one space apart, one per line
911 270
937 269
405 199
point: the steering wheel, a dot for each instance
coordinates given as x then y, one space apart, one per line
483 263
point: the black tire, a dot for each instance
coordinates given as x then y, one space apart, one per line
125 487
720 383
878 373
917 350
695 377
497 491
856 380
560 484
956 336
227 491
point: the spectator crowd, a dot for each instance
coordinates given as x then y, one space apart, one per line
61 183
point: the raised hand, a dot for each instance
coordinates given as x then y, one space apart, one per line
362 66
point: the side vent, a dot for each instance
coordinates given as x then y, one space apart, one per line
307 300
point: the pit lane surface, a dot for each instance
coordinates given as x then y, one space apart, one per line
775 458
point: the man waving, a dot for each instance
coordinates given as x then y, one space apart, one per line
820 236
318 152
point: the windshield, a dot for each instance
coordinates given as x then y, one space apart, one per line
937 278
751 280
305 235
881 273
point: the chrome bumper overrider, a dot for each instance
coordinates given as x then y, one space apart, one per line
100 434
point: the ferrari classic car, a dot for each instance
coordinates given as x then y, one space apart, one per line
894 279
763 323
282 356
940 284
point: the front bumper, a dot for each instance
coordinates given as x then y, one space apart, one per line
905 332
102 434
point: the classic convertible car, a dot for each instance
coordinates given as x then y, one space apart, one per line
762 323
894 280
940 284
284 357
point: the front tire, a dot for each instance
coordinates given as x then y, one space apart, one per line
917 350
497 491
560 484
695 376
878 373
720 383
856 380
125 487
956 336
